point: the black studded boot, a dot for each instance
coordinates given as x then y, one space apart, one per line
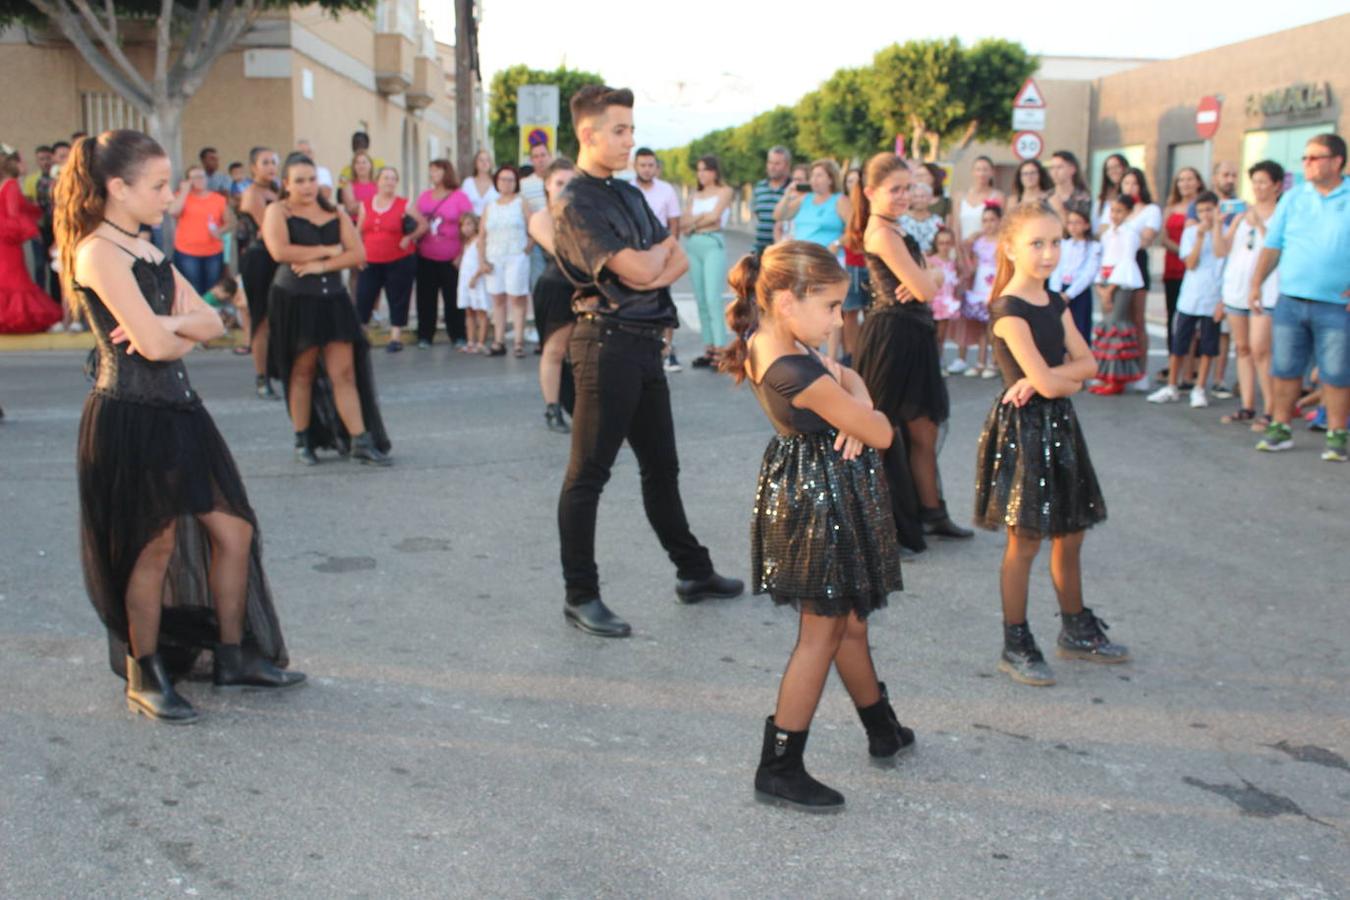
304 453
150 692
236 667
264 388
782 780
365 452
1083 636
553 418
1022 660
887 739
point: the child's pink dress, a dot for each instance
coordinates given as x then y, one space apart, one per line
945 303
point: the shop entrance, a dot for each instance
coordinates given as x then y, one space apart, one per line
1284 146
1180 156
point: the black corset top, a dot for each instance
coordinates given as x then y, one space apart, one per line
304 233
130 376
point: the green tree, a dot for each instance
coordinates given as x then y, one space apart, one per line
837 120
189 37
502 126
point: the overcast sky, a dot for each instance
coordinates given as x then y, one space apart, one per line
705 64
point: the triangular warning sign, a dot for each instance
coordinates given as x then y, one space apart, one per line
1029 97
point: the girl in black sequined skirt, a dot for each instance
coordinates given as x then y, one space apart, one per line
822 539
1032 472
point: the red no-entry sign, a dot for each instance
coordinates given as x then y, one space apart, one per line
1207 117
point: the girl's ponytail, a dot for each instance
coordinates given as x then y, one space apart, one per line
742 314
79 197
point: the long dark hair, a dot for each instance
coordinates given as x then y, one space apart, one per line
81 192
1111 188
797 266
449 180
1145 195
1068 156
1174 192
710 162
877 170
300 159
1042 179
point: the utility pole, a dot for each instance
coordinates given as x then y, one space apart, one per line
466 71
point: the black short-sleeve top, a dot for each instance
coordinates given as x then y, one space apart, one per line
595 218
1047 330
786 377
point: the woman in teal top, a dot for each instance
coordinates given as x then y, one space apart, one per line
819 215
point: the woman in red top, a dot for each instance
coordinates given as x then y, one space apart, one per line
390 247
24 307
1186 184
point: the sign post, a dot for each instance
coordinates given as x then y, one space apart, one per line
1207 125
1028 120
537 113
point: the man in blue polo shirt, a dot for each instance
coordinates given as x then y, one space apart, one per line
1309 239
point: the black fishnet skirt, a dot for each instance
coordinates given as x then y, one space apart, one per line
822 539
1033 473
142 468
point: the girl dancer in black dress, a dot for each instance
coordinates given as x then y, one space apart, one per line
170 546
821 538
256 266
897 356
553 316
331 399
1032 472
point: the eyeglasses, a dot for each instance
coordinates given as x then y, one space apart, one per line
1316 158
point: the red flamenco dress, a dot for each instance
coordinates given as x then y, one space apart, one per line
24 307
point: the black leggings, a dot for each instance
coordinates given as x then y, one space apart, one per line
395 279
437 278
1171 291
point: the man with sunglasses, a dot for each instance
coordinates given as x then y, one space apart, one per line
1308 238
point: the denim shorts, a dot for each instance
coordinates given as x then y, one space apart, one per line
1308 331
859 294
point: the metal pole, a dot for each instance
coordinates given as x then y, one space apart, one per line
465 89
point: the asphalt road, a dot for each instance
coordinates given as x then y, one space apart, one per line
456 739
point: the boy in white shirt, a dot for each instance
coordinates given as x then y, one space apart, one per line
1198 306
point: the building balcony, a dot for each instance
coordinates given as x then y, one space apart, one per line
394 63
428 83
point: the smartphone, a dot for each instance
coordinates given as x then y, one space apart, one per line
1232 207
803 188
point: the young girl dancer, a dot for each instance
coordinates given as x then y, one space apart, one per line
331 400
1115 341
821 539
256 266
1032 471
553 315
897 352
172 560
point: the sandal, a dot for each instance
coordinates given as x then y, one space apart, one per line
245 350
519 351
496 350
1261 422
1242 415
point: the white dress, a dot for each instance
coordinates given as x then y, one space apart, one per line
477 296
470 188
1120 257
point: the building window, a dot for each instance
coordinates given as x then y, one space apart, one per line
307 83
1284 146
104 112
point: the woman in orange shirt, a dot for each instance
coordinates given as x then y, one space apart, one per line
202 215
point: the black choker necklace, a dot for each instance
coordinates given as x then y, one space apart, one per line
134 235
886 218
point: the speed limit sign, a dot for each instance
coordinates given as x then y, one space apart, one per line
1027 144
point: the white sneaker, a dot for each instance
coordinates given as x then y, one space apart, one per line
957 366
58 328
972 372
1199 399
1140 386
1165 394
76 327
989 372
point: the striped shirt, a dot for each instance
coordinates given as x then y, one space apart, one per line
763 201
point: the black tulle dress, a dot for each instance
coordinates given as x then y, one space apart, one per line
1032 470
256 269
311 311
899 361
149 457
553 310
821 539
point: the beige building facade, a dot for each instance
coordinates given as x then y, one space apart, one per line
296 74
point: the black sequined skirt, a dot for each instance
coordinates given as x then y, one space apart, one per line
1033 473
822 539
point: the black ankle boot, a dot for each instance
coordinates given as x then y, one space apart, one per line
264 388
304 453
782 780
365 452
1083 636
886 737
235 667
150 692
1022 660
936 521
553 418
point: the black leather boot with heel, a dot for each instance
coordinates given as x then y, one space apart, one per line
150 692
235 666
937 521
304 453
782 779
887 739
365 452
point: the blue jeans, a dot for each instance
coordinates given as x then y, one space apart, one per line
708 272
202 272
1307 331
